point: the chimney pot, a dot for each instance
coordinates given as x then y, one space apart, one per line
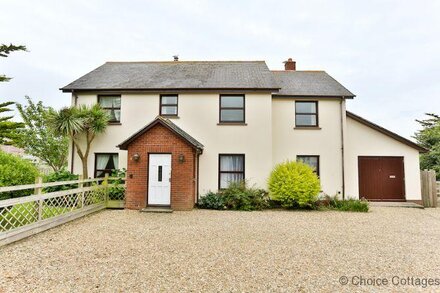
289 64
176 57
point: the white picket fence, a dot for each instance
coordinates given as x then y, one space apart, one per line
25 216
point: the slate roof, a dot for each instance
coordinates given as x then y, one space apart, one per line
168 124
386 132
309 83
177 75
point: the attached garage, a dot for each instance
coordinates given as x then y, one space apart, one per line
379 164
381 178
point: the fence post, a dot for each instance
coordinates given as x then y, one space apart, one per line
428 183
81 186
38 191
433 188
105 183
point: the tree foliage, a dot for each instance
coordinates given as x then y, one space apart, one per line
8 129
16 171
80 124
37 138
5 50
429 138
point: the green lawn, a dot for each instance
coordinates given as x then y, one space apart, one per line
27 213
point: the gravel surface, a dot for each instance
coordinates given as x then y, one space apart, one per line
282 251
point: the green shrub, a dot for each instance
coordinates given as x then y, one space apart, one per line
16 171
212 201
294 185
349 205
60 176
238 196
116 189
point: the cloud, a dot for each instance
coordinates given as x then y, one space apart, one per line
386 52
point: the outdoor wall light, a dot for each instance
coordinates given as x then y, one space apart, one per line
181 158
136 157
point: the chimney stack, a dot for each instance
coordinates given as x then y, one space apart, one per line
289 64
176 57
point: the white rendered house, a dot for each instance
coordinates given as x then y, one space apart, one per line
183 128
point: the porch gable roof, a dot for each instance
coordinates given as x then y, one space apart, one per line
169 125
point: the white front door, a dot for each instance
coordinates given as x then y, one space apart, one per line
159 179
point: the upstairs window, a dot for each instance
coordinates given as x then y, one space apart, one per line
105 163
112 105
168 105
231 169
306 114
312 161
232 109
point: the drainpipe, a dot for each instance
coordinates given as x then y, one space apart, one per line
72 158
197 176
342 146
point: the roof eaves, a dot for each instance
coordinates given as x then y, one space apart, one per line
311 96
68 90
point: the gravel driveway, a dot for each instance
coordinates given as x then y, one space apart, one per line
121 250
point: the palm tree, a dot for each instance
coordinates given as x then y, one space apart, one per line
78 123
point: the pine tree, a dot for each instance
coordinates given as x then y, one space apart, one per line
8 129
5 50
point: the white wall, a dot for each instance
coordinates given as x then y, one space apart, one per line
198 116
289 142
365 141
268 138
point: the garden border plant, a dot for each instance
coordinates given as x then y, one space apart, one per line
347 205
294 185
238 196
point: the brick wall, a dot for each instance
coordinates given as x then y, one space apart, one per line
159 139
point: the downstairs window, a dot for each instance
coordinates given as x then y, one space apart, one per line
231 169
312 161
105 163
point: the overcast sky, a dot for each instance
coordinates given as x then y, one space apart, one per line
385 52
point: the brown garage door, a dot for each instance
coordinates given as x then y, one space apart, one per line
381 178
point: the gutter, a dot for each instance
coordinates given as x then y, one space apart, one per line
342 147
162 90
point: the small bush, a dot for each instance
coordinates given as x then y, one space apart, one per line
16 171
240 197
60 176
349 205
294 185
212 201
116 189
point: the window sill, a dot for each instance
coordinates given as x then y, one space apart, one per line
232 123
307 128
114 123
170 116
